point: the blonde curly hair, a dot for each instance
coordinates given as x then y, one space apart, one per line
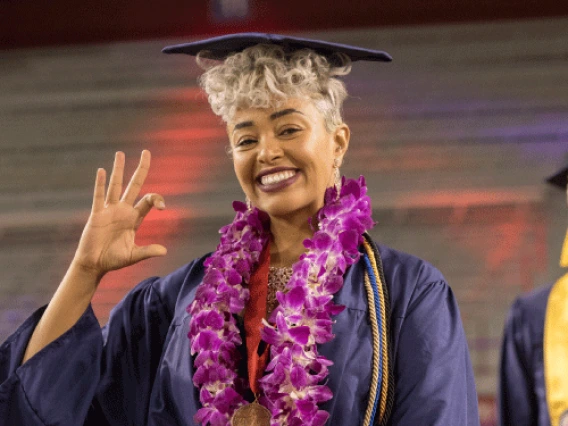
264 76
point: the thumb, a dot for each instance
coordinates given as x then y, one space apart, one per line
146 252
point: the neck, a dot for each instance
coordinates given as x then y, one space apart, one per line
286 245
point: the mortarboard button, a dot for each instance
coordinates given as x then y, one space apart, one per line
221 47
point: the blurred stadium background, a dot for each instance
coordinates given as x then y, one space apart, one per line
454 137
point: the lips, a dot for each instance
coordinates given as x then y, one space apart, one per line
277 178
274 178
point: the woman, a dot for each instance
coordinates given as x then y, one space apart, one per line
296 319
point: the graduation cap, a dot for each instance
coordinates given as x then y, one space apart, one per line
221 47
560 178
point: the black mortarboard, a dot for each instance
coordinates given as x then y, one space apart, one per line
221 47
560 178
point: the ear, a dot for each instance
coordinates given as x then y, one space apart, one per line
341 136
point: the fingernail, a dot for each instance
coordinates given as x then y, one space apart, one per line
161 205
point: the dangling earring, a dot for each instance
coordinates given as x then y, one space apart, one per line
337 176
249 204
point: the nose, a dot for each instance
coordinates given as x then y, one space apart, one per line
270 150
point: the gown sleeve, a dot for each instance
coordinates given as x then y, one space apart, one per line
517 402
88 376
56 385
434 383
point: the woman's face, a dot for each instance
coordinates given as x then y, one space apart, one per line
283 157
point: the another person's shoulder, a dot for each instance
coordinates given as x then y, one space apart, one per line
528 311
533 300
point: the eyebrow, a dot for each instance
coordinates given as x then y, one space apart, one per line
243 124
279 114
273 116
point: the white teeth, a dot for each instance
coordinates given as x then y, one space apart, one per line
276 177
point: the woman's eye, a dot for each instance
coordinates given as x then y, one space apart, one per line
245 142
289 131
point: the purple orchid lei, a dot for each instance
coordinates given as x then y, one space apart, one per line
303 319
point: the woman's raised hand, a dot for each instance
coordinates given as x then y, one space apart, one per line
108 240
107 243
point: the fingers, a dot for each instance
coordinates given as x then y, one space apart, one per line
115 183
133 189
146 252
147 202
99 193
138 178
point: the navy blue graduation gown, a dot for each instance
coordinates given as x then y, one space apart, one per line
522 393
138 370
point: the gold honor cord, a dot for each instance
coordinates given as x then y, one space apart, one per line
380 342
556 350
564 253
556 345
376 337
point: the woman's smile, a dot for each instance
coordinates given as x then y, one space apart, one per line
276 179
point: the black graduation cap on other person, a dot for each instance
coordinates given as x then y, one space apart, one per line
560 178
221 47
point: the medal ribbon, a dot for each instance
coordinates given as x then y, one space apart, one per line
255 311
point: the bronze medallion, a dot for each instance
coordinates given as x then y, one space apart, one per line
251 415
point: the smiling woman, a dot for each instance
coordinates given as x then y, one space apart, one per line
298 317
284 159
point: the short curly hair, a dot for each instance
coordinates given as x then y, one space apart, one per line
264 76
